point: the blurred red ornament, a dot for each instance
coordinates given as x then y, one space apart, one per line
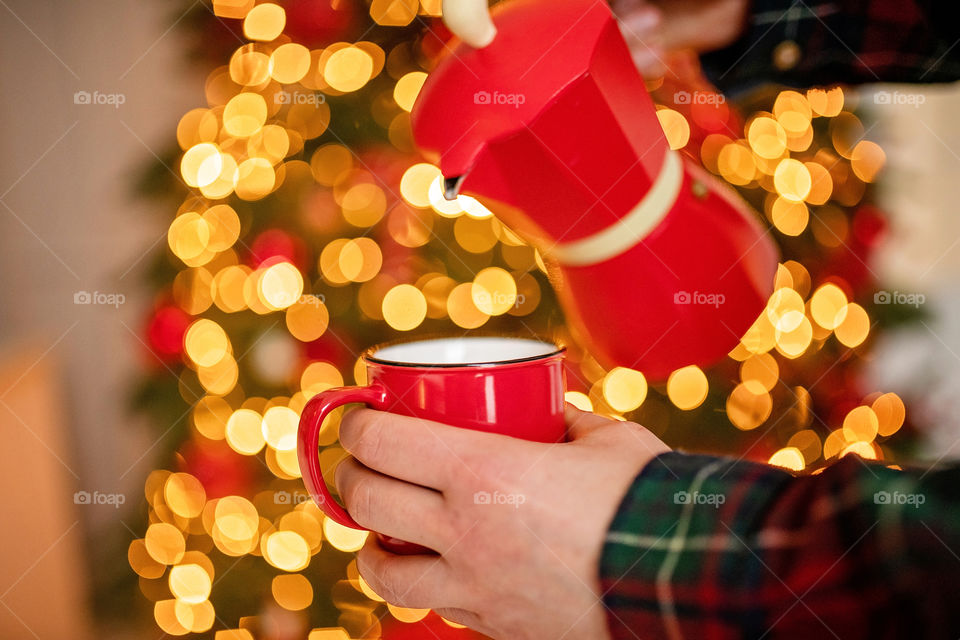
220 469
275 243
165 330
435 39
316 23
869 225
331 348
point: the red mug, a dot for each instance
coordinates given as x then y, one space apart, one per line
512 386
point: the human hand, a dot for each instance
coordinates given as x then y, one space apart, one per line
655 29
521 565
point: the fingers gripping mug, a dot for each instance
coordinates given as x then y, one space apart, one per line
512 386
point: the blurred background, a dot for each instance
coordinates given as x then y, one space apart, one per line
183 269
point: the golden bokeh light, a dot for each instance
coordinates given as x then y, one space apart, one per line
184 494
343 538
494 291
142 563
792 343
407 87
789 217
393 13
164 612
292 591
364 204
307 319
748 406
736 163
789 458
244 114
687 387
415 183
197 126
348 69
760 373
244 433
476 235
189 236
206 343
826 103
319 376
201 164
164 542
190 583
785 310
461 308
360 259
675 127
855 326
249 67
407 615
866 450
579 400
828 306
890 413
289 63
331 164
808 443
861 424
224 227
792 180
281 285
867 160
624 389
330 633
404 307
256 178
821 184
228 288
279 428
767 138
264 22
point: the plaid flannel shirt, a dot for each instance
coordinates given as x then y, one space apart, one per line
706 547
811 42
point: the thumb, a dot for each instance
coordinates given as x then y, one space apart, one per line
581 424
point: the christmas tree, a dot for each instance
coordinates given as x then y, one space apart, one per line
305 228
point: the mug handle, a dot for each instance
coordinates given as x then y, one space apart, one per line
316 409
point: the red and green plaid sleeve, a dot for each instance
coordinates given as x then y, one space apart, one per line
706 547
815 42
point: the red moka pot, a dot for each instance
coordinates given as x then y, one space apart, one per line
549 124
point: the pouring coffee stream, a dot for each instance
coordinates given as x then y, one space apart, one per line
542 116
